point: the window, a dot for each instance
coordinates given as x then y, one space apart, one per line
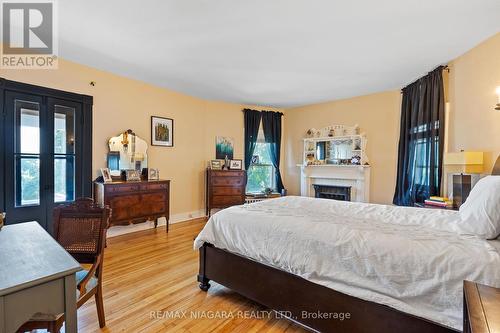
425 141
27 154
261 175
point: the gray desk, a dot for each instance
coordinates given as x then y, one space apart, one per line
36 275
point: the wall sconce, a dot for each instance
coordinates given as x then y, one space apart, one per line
497 91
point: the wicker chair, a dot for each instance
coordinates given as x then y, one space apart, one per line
80 227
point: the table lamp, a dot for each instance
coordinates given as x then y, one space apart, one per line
463 165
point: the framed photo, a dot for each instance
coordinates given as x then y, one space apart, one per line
106 175
215 165
162 131
153 174
235 164
224 147
132 175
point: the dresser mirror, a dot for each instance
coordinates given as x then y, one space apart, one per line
127 151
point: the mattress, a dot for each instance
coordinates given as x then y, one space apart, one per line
411 259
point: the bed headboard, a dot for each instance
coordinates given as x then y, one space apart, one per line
496 168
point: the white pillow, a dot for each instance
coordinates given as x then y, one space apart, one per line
480 214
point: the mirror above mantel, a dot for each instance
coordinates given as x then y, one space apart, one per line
127 151
336 145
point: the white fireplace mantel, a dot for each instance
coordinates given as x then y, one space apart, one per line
356 176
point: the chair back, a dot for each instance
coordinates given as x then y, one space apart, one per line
80 228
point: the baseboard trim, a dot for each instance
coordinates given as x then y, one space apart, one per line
175 218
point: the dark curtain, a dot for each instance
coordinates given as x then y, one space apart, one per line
271 123
421 140
252 124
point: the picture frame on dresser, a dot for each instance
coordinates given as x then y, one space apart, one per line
132 175
216 164
236 165
106 175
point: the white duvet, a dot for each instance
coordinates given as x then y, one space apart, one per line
411 259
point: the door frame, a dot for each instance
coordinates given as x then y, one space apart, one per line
86 102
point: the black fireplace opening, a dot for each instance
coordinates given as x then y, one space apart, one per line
334 192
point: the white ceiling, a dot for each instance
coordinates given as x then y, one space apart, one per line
273 52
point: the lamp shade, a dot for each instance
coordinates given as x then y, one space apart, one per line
469 161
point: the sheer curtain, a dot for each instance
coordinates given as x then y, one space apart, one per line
421 140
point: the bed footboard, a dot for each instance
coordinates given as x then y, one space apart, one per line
310 304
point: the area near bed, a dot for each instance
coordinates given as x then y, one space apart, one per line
411 259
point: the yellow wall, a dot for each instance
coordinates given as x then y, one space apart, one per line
474 124
121 103
378 117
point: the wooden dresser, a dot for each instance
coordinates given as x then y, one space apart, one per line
481 308
225 188
134 202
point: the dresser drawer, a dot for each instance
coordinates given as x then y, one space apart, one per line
156 208
228 181
227 200
227 190
154 197
121 188
154 187
123 201
228 173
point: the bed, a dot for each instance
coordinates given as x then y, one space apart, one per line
351 267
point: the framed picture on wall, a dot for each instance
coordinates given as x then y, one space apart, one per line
224 147
162 131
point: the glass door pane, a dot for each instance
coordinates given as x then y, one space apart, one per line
64 153
25 164
27 153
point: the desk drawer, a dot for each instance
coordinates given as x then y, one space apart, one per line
228 181
228 200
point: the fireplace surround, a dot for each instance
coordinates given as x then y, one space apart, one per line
355 176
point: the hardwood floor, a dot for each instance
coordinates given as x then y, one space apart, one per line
149 275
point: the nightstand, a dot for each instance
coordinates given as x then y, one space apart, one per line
481 308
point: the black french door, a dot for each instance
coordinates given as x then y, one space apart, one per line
46 151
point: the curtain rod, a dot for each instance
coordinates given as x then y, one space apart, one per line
281 113
444 68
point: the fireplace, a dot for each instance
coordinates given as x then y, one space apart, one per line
334 192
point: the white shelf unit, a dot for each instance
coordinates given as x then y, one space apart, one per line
352 145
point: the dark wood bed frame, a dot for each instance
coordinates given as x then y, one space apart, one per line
290 295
